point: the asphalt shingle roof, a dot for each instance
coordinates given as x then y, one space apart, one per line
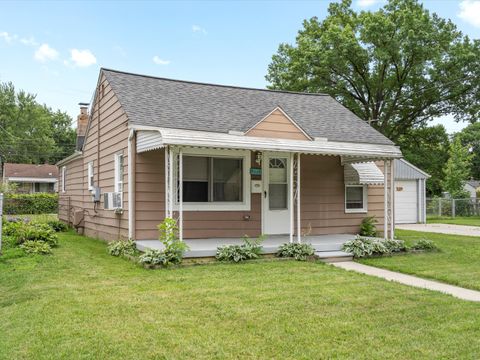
30 170
218 108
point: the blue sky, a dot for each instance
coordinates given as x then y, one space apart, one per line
55 49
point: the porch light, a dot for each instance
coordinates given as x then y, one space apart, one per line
258 158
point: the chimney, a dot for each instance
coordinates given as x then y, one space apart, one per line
82 122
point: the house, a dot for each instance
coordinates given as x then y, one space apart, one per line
31 178
226 162
471 187
410 195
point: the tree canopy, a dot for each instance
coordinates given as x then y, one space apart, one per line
398 67
31 132
470 138
457 169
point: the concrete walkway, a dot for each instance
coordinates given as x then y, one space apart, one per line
442 228
455 291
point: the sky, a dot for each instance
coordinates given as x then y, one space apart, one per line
55 49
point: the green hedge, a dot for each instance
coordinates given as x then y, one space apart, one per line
39 203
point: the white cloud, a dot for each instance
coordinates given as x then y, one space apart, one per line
45 53
367 3
198 29
159 61
82 58
470 12
6 36
28 41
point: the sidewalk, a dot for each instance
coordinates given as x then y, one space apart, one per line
442 229
458 292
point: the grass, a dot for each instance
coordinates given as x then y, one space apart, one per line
82 303
460 220
456 263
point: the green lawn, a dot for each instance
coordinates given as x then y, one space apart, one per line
457 263
82 303
470 220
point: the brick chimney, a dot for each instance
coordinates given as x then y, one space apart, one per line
82 122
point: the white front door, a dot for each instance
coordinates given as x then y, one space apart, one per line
276 196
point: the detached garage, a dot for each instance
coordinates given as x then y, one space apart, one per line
410 198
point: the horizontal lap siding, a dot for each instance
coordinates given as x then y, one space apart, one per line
100 223
72 199
323 198
277 125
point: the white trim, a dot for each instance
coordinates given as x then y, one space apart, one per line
290 200
170 182
64 177
117 179
385 200
167 192
299 235
286 115
364 209
180 193
75 155
392 199
91 175
243 205
131 186
31 180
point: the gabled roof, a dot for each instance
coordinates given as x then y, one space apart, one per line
407 171
30 171
474 183
166 103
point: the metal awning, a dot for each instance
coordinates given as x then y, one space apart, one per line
366 173
148 140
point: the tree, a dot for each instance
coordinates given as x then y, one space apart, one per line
398 67
470 137
457 169
30 132
427 148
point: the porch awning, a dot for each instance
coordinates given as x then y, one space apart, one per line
158 138
366 173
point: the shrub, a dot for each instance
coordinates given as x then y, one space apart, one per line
39 203
424 244
36 232
153 257
250 249
10 227
122 247
363 246
297 251
36 247
57 225
368 227
395 245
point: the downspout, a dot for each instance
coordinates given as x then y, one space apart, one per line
385 199
131 185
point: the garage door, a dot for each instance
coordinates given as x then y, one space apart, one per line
406 211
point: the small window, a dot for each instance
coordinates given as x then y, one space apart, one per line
118 186
64 177
90 176
355 198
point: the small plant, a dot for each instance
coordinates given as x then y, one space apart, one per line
121 247
36 232
153 257
395 245
36 247
57 225
295 250
424 244
363 246
250 249
368 226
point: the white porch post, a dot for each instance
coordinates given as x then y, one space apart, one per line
180 193
299 237
170 182
131 185
167 182
385 199
291 204
392 199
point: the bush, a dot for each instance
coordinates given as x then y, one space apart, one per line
368 227
11 226
153 257
36 247
36 232
57 225
365 246
424 244
39 203
122 247
250 249
295 250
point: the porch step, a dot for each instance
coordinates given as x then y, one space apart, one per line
333 256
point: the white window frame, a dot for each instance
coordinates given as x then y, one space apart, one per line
64 177
118 180
243 205
364 209
90 175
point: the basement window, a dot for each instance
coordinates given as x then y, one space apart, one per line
356 198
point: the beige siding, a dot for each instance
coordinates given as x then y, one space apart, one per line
277 125
101 148
72 199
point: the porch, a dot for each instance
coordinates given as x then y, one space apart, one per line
326 246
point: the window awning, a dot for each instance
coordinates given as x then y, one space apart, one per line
148 140
366 173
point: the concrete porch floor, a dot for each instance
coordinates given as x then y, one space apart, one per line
324 244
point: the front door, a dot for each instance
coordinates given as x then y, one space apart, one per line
275 198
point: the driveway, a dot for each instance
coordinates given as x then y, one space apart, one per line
442 229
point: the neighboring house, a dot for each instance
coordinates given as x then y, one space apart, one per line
30 178
410 195
471 187
249 161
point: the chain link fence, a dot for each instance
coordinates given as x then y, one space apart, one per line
443 207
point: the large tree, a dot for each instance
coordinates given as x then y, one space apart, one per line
470 137
397 67
31 132
457 169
